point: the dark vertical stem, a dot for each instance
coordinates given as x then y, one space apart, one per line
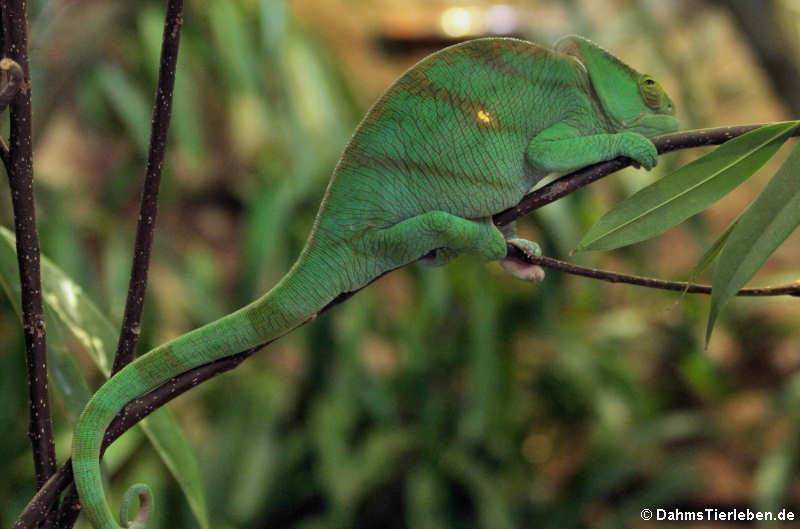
20 177
162 111
129 334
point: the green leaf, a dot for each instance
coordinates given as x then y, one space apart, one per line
175 451
710 255
68 381
425 495
128 101
273 20
237 57
687 191
494 509
764 225
72 317
713 251
774 475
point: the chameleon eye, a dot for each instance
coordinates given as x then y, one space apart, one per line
651 92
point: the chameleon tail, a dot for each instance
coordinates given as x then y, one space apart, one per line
296 298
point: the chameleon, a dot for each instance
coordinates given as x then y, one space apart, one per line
459 137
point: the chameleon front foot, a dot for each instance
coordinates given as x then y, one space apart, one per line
520 268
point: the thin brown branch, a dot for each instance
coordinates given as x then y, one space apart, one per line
791 289
20 177
129 333
148 209
139 408
45 498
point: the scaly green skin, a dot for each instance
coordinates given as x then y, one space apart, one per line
459 137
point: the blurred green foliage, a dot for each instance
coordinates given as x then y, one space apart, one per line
449 397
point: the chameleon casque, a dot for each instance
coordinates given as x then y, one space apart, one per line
462 135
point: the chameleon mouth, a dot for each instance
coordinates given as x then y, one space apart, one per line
652 124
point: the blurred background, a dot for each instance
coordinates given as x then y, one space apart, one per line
437 397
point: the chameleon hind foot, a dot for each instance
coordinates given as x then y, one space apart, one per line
447 234
520 268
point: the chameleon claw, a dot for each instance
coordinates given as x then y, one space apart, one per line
529 248
522 268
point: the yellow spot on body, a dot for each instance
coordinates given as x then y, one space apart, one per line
484 116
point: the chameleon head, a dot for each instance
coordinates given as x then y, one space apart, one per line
632 101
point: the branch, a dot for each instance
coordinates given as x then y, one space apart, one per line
20 177
179 384
791 289
45 498
148 209
129 334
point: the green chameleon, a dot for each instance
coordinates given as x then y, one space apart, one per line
462 135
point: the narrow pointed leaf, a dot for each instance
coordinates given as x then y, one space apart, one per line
237 54
175 451
688 191
710 255
766 223
77 319
70 385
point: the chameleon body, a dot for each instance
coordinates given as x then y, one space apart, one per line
462 135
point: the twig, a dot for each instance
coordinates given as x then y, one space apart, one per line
139 408
148 209
791 289
129 334
20 177
45 498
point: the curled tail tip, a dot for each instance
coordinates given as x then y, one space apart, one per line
145 496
